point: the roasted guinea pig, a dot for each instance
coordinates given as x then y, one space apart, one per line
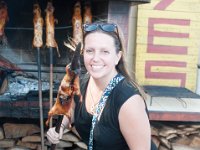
50 26
87 17
77 23
69 87
38 23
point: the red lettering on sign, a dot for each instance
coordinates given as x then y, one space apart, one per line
163 4
166 49
165 75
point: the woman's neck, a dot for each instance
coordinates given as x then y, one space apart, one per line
101 83
98 84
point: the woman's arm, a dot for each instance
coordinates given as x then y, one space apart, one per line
134 124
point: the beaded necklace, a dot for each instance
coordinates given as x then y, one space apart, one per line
101 105
94 105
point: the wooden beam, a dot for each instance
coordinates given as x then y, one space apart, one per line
174 116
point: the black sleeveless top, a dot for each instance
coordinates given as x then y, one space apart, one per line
107 134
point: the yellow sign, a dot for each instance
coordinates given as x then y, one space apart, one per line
168 41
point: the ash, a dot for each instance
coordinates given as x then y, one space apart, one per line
20 85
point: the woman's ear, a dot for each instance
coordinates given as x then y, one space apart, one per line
119 55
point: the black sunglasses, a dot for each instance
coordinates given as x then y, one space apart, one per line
107 27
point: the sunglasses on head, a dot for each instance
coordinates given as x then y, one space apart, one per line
107 27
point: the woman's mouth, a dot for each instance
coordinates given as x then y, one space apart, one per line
96 67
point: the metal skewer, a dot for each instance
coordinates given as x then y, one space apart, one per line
40 97
37 19
51 82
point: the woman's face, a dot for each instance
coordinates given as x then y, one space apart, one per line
100 56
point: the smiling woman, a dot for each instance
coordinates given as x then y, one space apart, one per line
112 114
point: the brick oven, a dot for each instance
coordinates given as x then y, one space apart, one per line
19 59
29 76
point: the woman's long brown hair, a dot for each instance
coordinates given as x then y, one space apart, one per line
120 67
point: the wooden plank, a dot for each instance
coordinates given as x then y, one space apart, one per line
143 14
167 27
142 49
190 59
169 41
179 5
174 116
194 25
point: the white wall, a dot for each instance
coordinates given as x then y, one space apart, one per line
198 82
198 76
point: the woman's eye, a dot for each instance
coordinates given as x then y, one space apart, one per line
106 52
88 51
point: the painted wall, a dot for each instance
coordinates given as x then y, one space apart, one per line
198 83
168 41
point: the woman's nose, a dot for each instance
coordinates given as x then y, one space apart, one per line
95 57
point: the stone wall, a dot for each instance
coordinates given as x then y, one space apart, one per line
23 136
166 135
176 135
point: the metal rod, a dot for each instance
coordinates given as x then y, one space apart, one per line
22 28
33 70
51 82
40 98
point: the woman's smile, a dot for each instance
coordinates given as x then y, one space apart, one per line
97 67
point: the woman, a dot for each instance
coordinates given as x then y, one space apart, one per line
112 114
